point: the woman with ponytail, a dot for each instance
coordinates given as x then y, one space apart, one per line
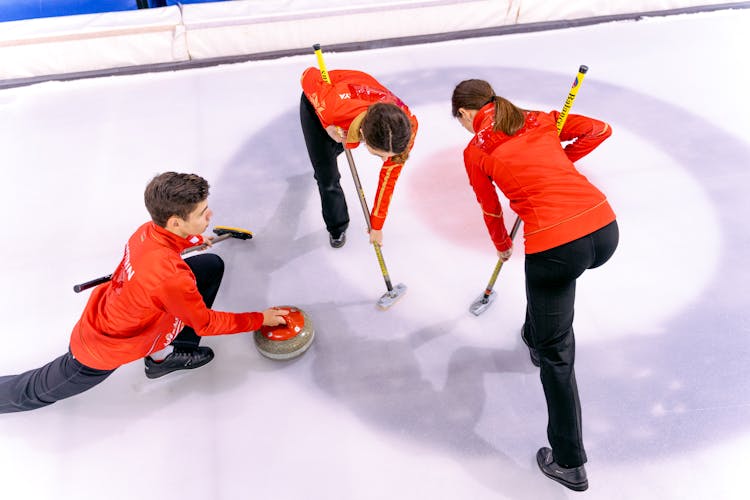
353 108
569 227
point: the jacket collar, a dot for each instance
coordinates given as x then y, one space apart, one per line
484 114
352 135
171 240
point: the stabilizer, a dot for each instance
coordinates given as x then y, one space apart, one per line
391 297
482 303
233 232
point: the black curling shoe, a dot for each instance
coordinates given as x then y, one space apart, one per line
573 477
337 242
178 360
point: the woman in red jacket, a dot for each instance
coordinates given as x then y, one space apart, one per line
568 227
354 107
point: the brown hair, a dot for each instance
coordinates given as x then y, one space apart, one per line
387 128
475 94
171 194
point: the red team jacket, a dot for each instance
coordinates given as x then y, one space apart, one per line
556 203
343 103
151 296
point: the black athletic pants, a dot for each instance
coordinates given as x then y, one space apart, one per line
550 294
208 270
323 152
65 376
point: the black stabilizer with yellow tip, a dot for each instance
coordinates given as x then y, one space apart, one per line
222 233
233 232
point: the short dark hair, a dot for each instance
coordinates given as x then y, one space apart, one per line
387 128
171 194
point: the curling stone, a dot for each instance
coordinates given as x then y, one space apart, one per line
286 341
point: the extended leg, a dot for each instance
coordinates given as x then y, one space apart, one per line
58 379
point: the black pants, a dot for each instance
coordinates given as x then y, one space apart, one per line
550 294
323 152
208 270
65 376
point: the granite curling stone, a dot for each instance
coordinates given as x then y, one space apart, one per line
286 341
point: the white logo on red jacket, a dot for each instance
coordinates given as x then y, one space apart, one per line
127 265
176 328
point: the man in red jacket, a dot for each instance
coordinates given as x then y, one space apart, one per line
156 301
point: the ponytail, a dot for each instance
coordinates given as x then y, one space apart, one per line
475 94
508 118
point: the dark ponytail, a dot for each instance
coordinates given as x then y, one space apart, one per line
387 128
508 118
475 94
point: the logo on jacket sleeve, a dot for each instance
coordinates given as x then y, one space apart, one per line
317 103
176 328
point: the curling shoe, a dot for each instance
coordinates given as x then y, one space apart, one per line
573 477
337 242
178 360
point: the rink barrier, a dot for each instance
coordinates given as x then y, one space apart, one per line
208 34
18 10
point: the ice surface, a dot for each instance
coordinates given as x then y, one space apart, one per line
423 400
